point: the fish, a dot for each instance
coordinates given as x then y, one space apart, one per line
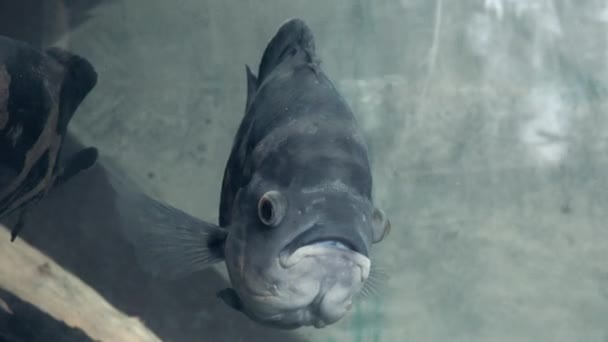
40 90
296 216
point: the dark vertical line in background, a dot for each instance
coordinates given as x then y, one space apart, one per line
358 32
363 28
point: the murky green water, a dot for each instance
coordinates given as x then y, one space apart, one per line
488 128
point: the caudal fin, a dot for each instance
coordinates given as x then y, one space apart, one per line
294 40
168 242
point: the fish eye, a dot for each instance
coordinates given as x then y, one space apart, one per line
266 211
271 208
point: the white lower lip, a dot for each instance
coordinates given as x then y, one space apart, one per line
322 248
331 243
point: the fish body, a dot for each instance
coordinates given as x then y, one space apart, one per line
39 93
296 218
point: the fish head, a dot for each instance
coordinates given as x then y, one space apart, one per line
298 257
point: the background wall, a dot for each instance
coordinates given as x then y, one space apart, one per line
488 132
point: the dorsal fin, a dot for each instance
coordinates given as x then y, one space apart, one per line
293 40
252 86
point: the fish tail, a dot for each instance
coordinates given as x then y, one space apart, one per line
167 241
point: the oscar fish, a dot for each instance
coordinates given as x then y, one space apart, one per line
40 90
296 217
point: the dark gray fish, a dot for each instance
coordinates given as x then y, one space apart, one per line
39 93
296 216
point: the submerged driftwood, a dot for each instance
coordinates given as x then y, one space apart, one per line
32 277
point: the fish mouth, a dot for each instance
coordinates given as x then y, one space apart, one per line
331 272
291 256
329 236
325 247
331 242
337 245
317 274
